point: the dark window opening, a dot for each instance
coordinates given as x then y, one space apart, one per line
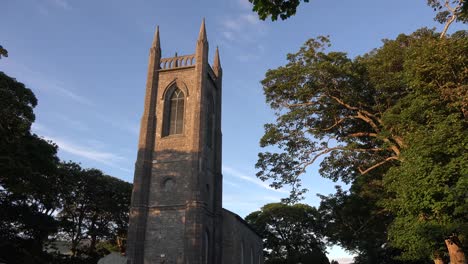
176 113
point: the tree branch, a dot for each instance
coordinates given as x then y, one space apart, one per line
362 134
454 16
359 110
377 165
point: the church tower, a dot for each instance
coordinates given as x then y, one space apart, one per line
176 208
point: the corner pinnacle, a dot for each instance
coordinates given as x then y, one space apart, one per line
216 62
202 35
156 44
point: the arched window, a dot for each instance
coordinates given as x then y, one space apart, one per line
175 118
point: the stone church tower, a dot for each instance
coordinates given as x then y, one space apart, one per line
176 213
176 203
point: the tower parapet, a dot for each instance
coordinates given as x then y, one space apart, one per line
178 62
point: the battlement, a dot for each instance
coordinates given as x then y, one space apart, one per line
178 62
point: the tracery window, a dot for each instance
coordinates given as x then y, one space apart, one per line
176 113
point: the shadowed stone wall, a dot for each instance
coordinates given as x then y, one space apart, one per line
241 244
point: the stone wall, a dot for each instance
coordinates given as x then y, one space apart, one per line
241 245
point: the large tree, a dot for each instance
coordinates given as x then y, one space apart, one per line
361 114
37 190
291 233
28 183
95 207
427 192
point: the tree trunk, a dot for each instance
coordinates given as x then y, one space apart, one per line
457 256
438 260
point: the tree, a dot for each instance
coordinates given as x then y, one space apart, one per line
282 8
36 190
362 115
356 221
291 233
449 11
95 207
428 190
329 104
28 183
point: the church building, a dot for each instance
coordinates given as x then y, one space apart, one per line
176 213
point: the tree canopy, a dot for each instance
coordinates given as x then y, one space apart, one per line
291 233
42 198
274 9
392 121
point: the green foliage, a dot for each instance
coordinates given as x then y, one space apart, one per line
40 197
428 190
329 104
445 9
95 206
291 233
393 124
3 52
282 8
27 181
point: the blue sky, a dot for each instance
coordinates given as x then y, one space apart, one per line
86 61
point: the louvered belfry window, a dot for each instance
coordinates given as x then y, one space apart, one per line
176 112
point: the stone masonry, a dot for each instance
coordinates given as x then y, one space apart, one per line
176 213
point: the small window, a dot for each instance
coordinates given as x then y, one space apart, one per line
175 118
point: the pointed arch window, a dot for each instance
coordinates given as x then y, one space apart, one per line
175 117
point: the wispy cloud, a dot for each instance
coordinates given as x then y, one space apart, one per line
233 172
107 158
243 204
68 93
37 80
243 28
245 4
240 22
39 128
120 123
248 199
60 3
74 123
244 31
230 183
